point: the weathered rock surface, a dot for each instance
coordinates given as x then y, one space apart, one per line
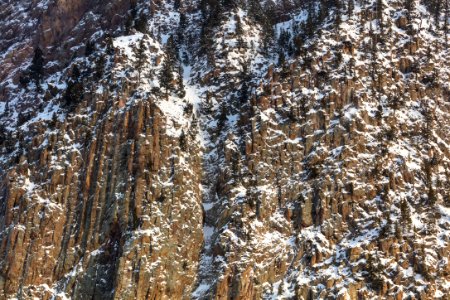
325 176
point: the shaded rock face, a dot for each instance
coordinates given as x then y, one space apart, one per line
323 175
58 27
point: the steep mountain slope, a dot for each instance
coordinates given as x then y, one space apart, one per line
225 150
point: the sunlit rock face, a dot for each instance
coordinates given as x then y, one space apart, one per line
232 150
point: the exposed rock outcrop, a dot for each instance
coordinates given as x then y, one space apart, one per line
162 152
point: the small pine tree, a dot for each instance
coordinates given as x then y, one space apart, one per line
89 48
284 40
162 197
229 4
427 128
268 35
171 49
100 66
394 102
128 24
281 288
3 134
379 113
323 11
436 8
166 76
181 27
255 11
310 25
37 67
350 8
140 57
53 121
374 272
380 12
338 17
223 116
239 29
75 89
182 141
432 198
141 24
207 105
109 45
281 58
243 95
193 130
181 89
409 6
8 141
386 229
6 110
240 43
298 45
177 4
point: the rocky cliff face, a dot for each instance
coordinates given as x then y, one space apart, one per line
232 150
